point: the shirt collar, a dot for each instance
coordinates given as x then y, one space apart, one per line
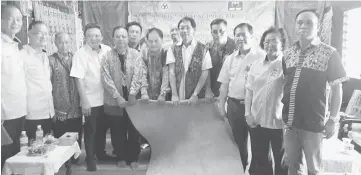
315 42
179 43
89 48
193 43
32 50
252 51
6 38
279 58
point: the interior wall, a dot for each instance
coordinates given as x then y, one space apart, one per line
107 14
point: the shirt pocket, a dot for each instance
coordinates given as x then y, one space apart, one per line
234 69
35 71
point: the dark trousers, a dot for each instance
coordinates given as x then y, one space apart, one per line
69 125
261 140
90 127
103 124
13 128
125 138
31 127
240 129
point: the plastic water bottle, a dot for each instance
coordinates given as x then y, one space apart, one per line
23 142
39 135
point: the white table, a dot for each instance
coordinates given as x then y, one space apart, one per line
48 164
337 162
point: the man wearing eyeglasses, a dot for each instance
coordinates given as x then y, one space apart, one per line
189 65
37 77
13 87
220 47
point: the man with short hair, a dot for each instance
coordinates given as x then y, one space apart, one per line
135 36
174 34
310 67
37 75
189 65
233 78
220 47
86 70
122 76
156 71
13 87
67 116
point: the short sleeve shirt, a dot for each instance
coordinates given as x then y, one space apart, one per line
86 66
308 74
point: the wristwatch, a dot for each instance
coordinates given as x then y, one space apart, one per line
195 94
163 93
334 119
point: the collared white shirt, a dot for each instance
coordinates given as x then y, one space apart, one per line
187 53
234 71
13 87
265 80
38 83
86 66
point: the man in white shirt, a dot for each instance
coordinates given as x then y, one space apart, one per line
37 74
13 87
86 70
233 77
189 65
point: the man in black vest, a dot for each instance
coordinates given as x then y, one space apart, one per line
189 65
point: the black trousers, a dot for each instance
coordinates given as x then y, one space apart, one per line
240 128
13 128
90 128
31 126
125 138
69 125
261 140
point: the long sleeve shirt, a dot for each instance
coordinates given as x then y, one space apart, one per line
38 83
13 87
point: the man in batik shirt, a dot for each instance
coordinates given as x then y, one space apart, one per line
68 116
157 72
310 67
189 65
120 80
220 47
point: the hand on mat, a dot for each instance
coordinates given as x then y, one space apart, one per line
131 100
144 98
121 102
161 99
175 99
193 100
86 109
209 95
330 128
250 121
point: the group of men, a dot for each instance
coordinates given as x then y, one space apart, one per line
99 82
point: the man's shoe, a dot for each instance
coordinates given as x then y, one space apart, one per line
91 166
75 161
105 157
122 164
134 165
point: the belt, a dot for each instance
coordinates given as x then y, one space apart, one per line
237 100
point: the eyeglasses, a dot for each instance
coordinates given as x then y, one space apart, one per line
41 34
185 27
220 31
272 41
19 19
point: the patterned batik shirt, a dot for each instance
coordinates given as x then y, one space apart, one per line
113 78
308 74
157 72
65 94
